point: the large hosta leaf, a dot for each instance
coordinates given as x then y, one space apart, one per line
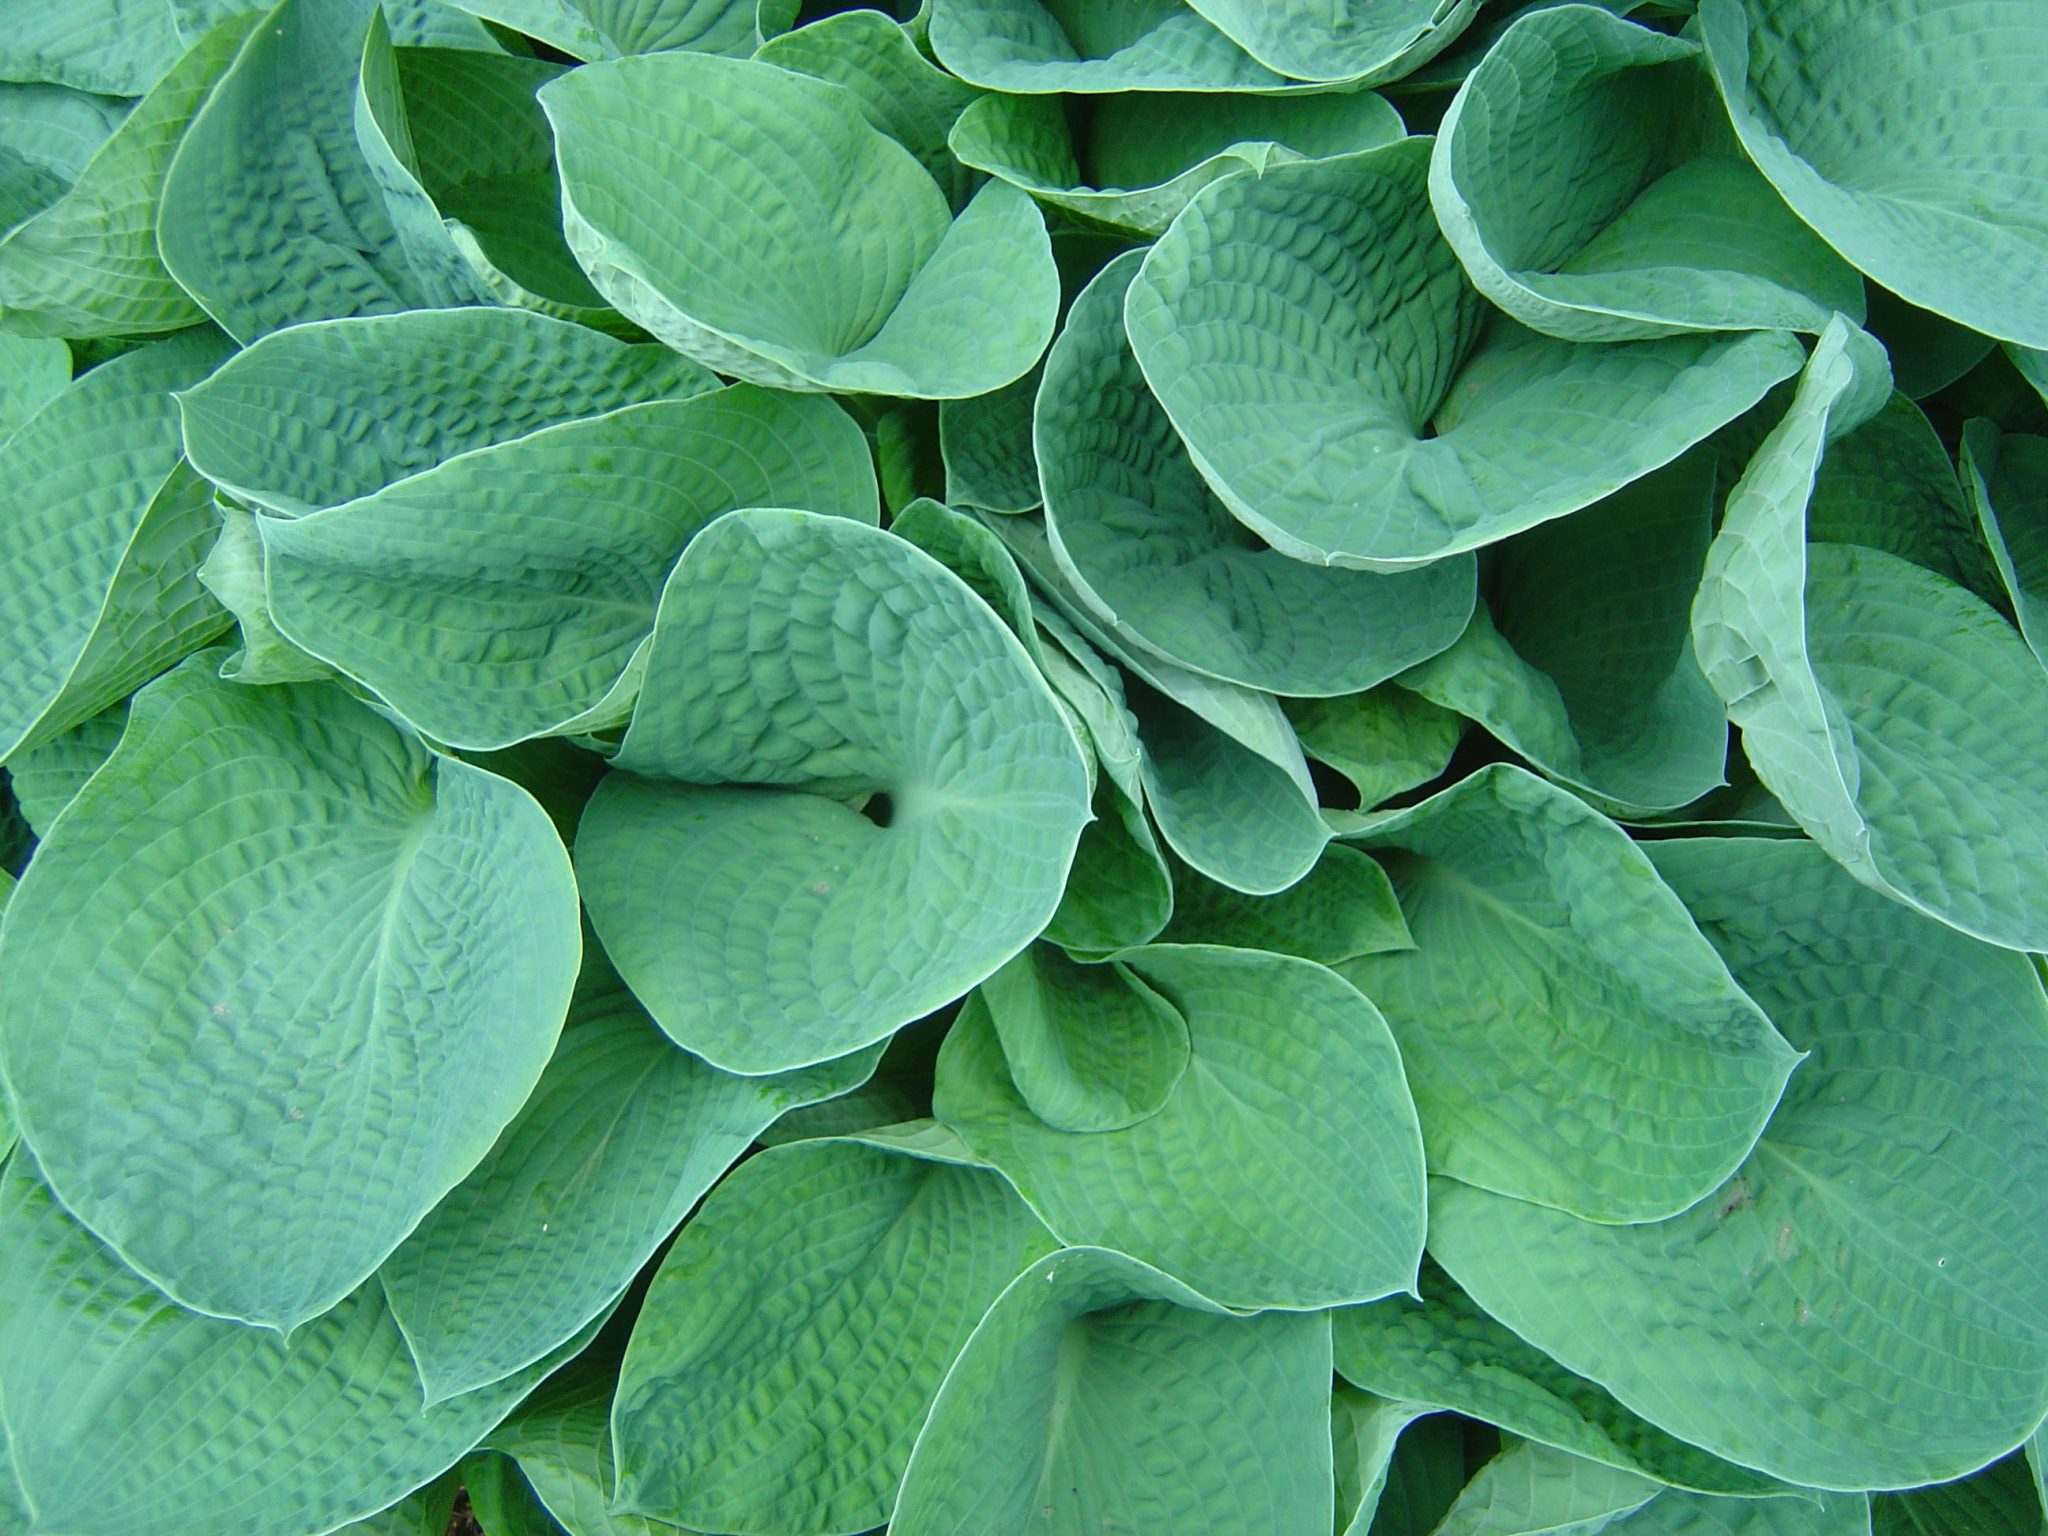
87 264
332 411
508 593
1854 676
798 660
1359 41
796 1334
33 372
1343 908
1161 562
105 533
1042 46
128 1416
275 984
1385 741
621 1137
270 214
1533 1488
1306 327
753 218
1133 161
1366 1433
561 1438
2003 1497
1283 1170
1570 1037
605 29
120 47
1100 1395
1857 1307
1909 134
1587 178
1582 659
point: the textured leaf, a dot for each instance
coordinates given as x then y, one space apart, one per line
1928 352
333 411
311 968
1533 1488
233 572
2006 480
1587 179
1444 1352
1133 161
791 1345
105 535
87 264
500 1500
1343 908
1119 892
270 214
1907 133
1089 1047
561 1437
765 924
509 593
1291 1070
621 1137
1304 327
1852 1310
986 445
1364 41
1423 1480
48 135
1582 661
1850 673
48 776
33 372
119 47
1569 1036
839 269
2001 1498
1164 565
423 1512
1385 741
149 1420
1095 1396
1365 1432
604 29
1042 46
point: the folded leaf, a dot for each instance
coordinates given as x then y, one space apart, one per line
1385 741
1356 41
1042 46
605 29
2006 480
1343 908
1365 1434
562 1439
310 968
1533 1488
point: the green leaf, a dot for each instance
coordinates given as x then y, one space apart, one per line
1343 908
620 1138
1423 1480
1119 892
2002 1498
605 29
1873 122
1855 1308
105 532
33 372
149 1420
842 269
1386 740
1533 1488
1569 1036
765 924
1282 1171
423 1512
1043 46
511 592
1365 1432
1160 561
1928 352
314 969
118 47
48 776
1587 179
2005 478
1089 1047
305 418
1094 1396
87 264
562 1439
270 214
501 1501
1306 327
48 135
791 1345
1582 659
234 573
1444 1352
1133 161
1852 675
985 443
1694 1514
1356 41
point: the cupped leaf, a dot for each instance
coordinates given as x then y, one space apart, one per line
509 593
1306 328
1133 161
2005 477
87 264
128 1416
1343 908
1284 1169
1695 1514
1365 1433
1533 1488
754 219
798 660
1355 41
270 214
605 29
622 1136
985 444
1386 740
792 1343
118 47
1444 1352
1853 676
1855 1308
1159 560
1908 134
106 531
1569 1036
1098 1394
1089 1047
233 573
309 969
332 411
1582 660
1042 46
1588 180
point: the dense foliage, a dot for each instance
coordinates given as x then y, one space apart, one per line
1232 768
